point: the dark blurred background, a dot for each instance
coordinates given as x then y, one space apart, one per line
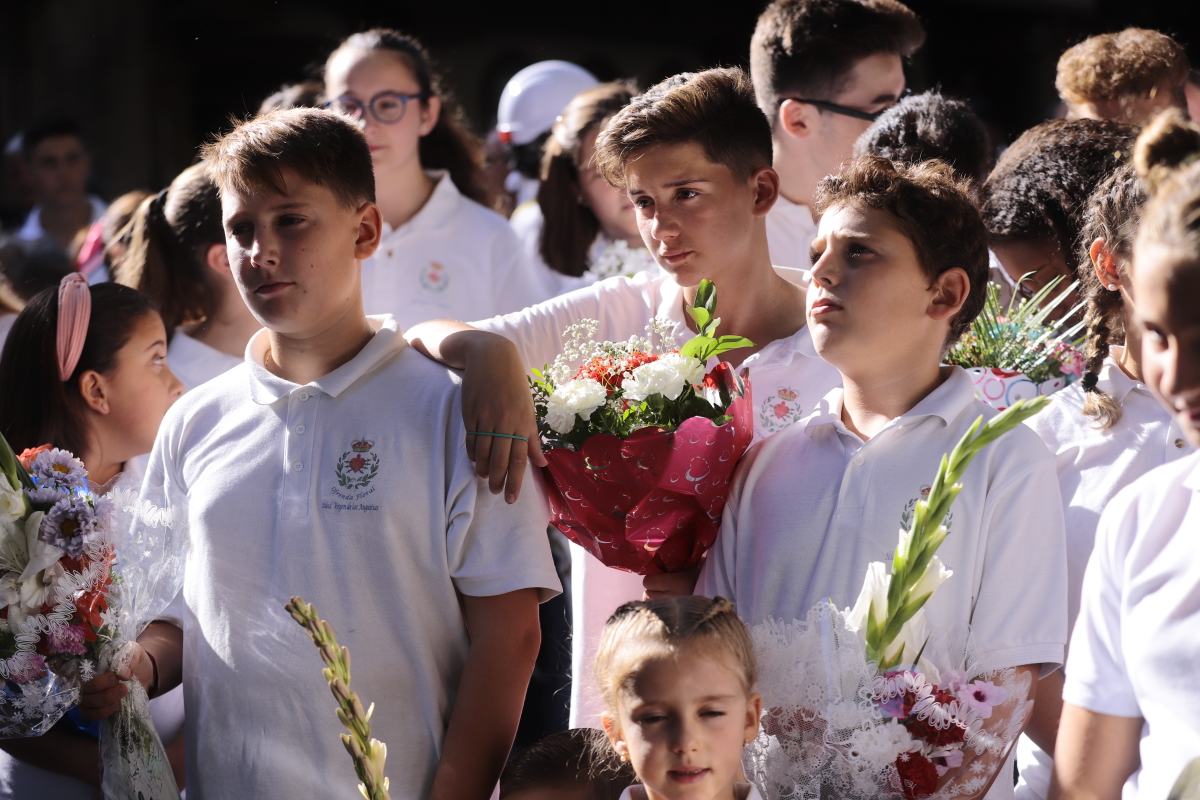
149 81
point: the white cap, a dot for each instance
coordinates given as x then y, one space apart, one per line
534 97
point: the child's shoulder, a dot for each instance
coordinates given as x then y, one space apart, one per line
482 222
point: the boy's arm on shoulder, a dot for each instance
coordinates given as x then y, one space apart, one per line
505 636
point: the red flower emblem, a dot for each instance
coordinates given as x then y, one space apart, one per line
781 410
357 464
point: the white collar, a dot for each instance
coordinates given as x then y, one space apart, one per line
947 402
266 387
32 228
438 209
1113 381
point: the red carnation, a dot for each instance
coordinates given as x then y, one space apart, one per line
921 729
918 775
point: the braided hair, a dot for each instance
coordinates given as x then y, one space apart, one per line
1112 215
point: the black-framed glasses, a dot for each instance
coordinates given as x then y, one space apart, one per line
387 107
838 108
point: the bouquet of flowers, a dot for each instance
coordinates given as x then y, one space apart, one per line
863 703
642 440
69 605
1014 351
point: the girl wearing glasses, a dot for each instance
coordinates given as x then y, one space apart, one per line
444 253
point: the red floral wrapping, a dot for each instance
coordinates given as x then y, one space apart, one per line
651 503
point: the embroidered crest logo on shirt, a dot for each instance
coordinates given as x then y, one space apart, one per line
435 277
358 466
780 410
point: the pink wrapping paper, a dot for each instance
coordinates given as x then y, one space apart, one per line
650 503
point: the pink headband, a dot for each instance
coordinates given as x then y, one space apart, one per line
74 312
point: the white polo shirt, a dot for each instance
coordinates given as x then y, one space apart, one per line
790 232
353 491
814 504
1135 651
454 259
1093 465
195 362
787 378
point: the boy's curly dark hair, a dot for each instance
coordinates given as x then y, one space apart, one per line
1041 184
934 209
927 126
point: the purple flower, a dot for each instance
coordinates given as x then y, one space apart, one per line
25 667
982 696
69 524
58 468
67 640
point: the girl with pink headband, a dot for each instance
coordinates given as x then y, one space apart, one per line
84 368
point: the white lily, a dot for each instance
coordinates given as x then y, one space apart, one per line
12 502
31 569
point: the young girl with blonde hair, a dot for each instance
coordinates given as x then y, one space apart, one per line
677 677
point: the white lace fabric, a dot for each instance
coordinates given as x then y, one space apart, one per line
824 734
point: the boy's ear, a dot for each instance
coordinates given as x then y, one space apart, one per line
766 190
950 292
217 259
431 109
1105 264
94 392
370 229
797 119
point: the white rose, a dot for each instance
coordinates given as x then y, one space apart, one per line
12 502
577 398
668 376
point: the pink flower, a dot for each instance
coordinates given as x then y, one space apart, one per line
982 696
67 640
25 667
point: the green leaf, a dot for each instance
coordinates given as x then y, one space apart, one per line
700 316
706 296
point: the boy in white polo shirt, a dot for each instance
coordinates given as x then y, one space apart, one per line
694 155
900 269
330 464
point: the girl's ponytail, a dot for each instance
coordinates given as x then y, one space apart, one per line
169 237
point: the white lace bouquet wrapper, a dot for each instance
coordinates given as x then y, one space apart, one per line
833 727
151 547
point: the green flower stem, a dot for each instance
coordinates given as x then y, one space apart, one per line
368 754
919 545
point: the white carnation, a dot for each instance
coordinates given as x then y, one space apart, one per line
668 376
576 398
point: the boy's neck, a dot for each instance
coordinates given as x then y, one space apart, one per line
869 403
754 301
305 359
402 192
795 184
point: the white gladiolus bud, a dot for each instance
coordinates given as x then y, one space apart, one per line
873 596
935 575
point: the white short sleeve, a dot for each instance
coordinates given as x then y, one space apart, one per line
492 547
717 576
1021 608
1097 678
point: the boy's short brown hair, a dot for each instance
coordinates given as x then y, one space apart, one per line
1135 62
806 48
714 108
933 208
320 146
